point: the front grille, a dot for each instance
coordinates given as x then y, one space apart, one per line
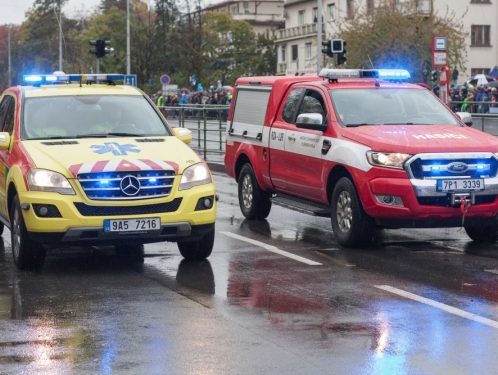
109 186
159 208
446 200
458 166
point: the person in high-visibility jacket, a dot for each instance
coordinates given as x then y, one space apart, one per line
160 102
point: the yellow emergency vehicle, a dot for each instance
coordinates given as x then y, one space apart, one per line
85 161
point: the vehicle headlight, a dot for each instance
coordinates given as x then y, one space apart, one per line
44 180
194 175
389 160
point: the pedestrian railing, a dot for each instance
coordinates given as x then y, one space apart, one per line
475 107
207 123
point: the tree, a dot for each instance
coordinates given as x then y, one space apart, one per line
396 36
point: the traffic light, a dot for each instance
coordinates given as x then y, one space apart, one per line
341 56
337 45
434 76
328 48
100 49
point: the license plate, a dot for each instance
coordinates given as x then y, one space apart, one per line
470 184
132 225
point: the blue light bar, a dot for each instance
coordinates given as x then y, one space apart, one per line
60 78
387 74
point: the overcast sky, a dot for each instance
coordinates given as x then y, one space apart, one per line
12 11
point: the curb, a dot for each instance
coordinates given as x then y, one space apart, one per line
217 167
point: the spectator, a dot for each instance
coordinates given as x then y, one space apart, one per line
465 105
482 96
454 76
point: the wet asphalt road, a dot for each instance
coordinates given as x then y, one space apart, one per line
275 297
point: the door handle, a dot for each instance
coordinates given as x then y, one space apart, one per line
291 138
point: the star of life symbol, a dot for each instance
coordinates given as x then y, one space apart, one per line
115 148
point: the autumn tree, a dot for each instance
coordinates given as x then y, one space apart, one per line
397 36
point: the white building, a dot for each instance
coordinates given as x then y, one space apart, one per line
297 41
262 14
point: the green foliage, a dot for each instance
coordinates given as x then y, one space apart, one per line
396 36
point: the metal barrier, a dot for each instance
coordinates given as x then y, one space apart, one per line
473 106
207 123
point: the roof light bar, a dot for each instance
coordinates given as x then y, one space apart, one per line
54 78
387 74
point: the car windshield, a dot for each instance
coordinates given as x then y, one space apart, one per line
90 116
389 106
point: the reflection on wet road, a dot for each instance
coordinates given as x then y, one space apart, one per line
277 296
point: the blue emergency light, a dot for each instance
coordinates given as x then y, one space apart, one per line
385 74
66 78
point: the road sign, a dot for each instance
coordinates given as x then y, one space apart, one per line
131 79
438 59
439 43
164 79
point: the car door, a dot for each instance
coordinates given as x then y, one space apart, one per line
303 148
278 133
7 120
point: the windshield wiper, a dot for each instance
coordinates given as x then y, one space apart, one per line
400 123
126 134
91 136
356 125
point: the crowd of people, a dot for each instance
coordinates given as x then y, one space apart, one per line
474 99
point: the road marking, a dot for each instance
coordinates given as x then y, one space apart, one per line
271 248
492 271
439 305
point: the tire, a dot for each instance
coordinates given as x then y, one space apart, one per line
134 252
486 234
197 250
27 253
351 225
254 202
1 228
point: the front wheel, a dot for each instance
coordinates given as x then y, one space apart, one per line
197 250
486 234
254 202
27 253
351 225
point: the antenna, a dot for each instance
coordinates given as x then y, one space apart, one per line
377 84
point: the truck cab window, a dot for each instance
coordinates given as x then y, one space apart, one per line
291 105
312 103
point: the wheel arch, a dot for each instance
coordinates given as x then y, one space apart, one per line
335 175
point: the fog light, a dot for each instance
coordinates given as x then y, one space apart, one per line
389 200
43 211
208 203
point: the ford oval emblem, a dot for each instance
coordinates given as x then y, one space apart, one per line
457 167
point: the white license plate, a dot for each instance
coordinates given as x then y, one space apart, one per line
132 225
469 184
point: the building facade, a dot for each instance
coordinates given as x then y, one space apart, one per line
297 41
262 15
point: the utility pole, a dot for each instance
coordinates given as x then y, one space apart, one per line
128 37
10 75
60 37
319 37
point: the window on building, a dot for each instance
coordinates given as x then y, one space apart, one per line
308 51
474 71
349 8
233 9
331 12
300 18
370 6
315 15
294 52
246 4
283 53
479 35
480 1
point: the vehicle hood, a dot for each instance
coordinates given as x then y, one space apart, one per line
414 139
73 156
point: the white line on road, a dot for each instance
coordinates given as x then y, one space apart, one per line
271 248
439 305
492 271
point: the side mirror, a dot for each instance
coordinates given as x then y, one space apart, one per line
465 117
184 134
313 121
